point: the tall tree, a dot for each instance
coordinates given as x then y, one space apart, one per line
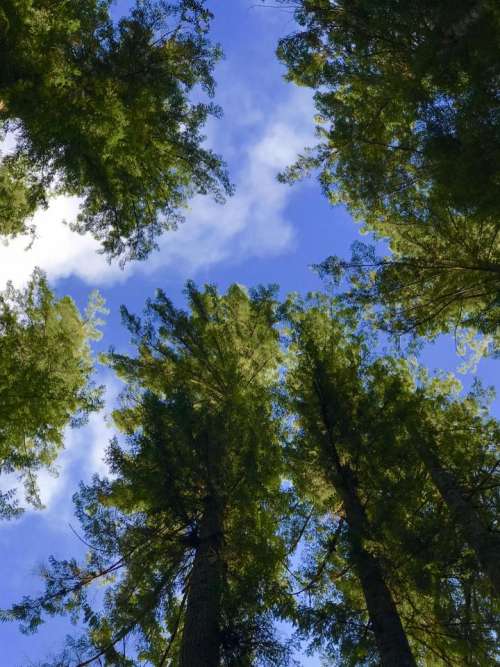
328 425
459 448
407 99
388 547
188 526
104 111
45 370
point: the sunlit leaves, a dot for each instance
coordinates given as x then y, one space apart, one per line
45 369
103 111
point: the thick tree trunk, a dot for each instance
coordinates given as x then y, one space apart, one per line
390 636
485 543
201 635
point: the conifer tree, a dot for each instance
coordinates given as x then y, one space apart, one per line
407 100
185 534
45 370
389 565
459 449
328 427
103 111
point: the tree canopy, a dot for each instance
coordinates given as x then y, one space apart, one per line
401 476
273 461
346 491
45 380
407 100
103 111
425 290
185 534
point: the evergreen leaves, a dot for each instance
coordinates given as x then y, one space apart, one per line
45 379
103 111
272 462
408 128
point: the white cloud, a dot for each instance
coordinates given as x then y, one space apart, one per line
57 250
83 455
253 222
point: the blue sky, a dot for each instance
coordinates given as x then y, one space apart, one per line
267 233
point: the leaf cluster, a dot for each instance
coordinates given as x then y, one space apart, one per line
45 377
103 111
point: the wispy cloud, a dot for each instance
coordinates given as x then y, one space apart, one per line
57 250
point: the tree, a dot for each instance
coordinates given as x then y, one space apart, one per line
103 112
409 133
328 426
45 370
378 448
469 483
185 535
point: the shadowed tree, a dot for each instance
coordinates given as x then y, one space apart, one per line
45 369
185 535
385 456
409 129
103 111
327 425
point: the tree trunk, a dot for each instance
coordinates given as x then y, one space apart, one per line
485 543
390 636
201 635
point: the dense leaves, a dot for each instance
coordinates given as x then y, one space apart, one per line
185 534
45 368
375 440
342 489
408 111
103 111
274 462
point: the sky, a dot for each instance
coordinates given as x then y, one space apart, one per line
266 233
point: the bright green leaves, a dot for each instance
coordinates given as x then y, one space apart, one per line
424 289
201 466
414 454
45 369
103 112
20 195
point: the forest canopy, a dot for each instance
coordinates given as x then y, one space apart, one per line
349 493
45 380
284 477
104 111
409 140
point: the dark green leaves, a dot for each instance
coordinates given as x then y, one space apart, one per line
409 134
103 111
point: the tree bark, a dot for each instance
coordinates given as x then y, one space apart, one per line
200 646
390 636
486 544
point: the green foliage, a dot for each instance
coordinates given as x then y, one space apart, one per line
45 369
103 111
425 290
375 412
214 418
407 100
200 425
